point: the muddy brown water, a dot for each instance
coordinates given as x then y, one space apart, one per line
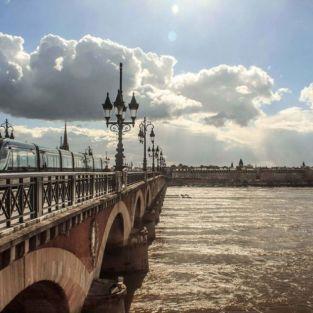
231 250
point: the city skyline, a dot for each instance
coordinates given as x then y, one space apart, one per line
215 93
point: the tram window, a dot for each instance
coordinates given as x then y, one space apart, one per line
52 161
19 159
79 163
43 160
10 161
4 158
66 161
22 158
57 161
97 164
31 159
89 163
48 161
15 159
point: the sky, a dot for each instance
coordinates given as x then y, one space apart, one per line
220 79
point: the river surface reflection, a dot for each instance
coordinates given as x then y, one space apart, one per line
231 250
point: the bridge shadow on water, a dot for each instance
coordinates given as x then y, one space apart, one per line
133 282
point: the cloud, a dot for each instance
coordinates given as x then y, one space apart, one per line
281 139
68 79
214 116
232 93
79 138
306 95
292 119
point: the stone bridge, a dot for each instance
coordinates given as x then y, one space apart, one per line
63 234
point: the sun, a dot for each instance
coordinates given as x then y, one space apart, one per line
175 9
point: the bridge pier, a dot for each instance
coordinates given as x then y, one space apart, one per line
118 260
127 259
105 296
152 216
150 222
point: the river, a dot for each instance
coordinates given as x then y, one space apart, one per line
231 250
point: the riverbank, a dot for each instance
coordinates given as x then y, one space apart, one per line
206 183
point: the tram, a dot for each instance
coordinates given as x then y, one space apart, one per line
17 156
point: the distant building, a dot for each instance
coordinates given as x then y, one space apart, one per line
64 145
242 176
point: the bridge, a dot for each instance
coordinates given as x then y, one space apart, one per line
63 233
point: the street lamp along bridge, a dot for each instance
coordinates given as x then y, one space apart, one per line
153 152
142 135
7 127
120 126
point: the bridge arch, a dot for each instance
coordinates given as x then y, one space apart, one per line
138 209
117 230
41 297
60 267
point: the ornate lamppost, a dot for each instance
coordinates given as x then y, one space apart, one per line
143 128
153 153
162 161
157 155
106 161
120 126
7 127
160 156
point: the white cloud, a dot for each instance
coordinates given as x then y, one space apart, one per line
68 79
306 95
233 93
213 116
282 139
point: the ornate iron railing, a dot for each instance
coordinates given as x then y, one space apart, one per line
17 200
25 196
135 177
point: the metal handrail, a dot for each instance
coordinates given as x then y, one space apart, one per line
28 195
40 174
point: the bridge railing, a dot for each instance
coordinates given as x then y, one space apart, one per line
151 174
25 196
135 177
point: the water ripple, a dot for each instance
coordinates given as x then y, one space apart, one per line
231 250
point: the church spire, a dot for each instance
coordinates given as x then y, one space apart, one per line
65 145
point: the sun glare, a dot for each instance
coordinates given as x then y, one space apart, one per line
175 9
